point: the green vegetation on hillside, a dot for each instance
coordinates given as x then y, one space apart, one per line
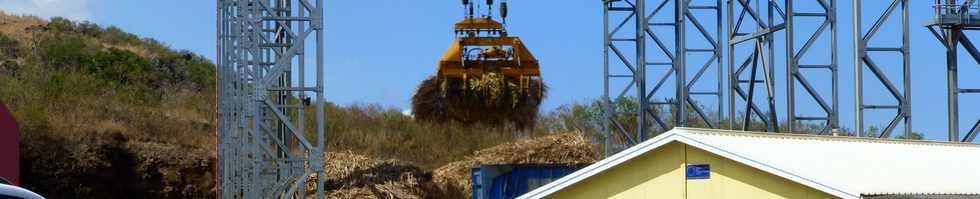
105 114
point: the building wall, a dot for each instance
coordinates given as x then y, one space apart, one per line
661 174
9 146
657 173
730 179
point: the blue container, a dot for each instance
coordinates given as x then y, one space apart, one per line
511 181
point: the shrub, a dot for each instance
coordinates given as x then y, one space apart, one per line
64 51
123 67
59 24
8 47
114 35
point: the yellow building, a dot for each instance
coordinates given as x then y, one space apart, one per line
702 163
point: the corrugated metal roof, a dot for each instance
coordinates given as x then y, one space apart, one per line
846 167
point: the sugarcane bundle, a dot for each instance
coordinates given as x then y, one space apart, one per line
491 99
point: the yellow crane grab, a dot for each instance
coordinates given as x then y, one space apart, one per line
486 76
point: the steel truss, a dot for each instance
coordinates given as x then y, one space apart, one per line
953 19
619 39
263 149
749 27
862 61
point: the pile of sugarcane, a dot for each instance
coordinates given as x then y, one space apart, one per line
559 149
488 100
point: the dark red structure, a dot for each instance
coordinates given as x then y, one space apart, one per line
9 146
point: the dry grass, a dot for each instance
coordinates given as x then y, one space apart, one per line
350 175
388 134
132 149
18 27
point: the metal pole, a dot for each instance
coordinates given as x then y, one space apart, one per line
952 89
606 108
835 115
320 90
720 70
769 69
640 75
858 77
906 70
747 120
680 62
791 68
732 75
219 160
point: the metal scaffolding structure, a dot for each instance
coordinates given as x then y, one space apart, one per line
953 20
760 40
749 27
863 61
629 46
797 78
264 150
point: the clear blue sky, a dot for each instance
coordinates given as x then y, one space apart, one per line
378 51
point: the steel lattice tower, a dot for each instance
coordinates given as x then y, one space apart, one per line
799 70
760 37
626 79
953 19
749 26
263 131
862 62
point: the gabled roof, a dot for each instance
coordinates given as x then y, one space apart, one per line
846 167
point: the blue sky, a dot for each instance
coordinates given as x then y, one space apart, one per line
378 51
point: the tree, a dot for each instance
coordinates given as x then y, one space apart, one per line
914 136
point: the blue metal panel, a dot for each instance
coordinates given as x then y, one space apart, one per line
511 181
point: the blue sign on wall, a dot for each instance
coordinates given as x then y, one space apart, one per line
698 171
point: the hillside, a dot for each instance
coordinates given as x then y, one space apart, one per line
106 114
